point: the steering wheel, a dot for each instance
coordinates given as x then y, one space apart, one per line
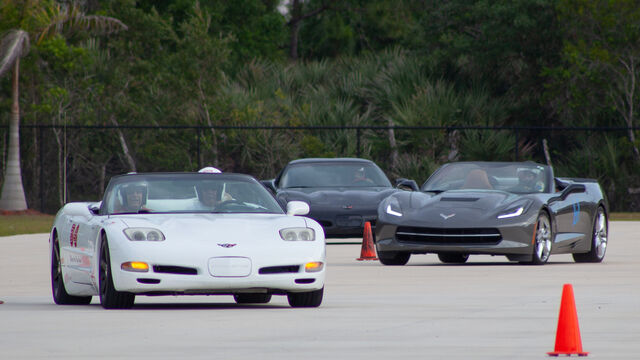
229 203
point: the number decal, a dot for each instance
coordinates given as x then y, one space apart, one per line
73 236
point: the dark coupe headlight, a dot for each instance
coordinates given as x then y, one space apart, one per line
514 211
393 207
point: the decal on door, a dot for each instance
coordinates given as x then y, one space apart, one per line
576 213
73 236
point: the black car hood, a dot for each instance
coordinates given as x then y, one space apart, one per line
458 208
370 196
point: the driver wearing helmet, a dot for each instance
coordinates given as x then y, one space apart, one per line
132 198
527 181
209 195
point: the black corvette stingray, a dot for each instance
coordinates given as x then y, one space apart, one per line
342 193
516 209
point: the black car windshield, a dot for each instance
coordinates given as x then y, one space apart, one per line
520 178
346 174
187 193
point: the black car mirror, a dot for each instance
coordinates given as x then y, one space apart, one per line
269 184
406 184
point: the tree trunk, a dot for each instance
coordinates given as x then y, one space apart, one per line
295 29
12 197
125 149
393 157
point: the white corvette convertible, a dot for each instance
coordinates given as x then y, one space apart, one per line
186 234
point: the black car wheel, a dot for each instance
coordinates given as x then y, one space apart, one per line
306 299
453 258
543 240
110 298
598 240
60 295
393 257
252 298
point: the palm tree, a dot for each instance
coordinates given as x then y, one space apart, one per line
40 20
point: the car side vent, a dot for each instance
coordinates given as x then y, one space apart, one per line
458 199
171 269
279 269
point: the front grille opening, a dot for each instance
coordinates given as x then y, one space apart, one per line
172 269
305 281
148 281
279 269
447 236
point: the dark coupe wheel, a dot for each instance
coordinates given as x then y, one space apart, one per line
598 240
110 298
453 258
393 258
60 295
306 299
252 298
543 240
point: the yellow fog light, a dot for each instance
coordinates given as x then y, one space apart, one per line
135 266
313 266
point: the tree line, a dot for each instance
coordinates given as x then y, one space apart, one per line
560 63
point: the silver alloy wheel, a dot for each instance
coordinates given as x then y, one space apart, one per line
543 239
600 234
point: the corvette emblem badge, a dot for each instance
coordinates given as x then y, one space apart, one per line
227 245
447 216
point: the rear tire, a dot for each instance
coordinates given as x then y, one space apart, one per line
60 295
110 298
599 238
252 298
453 258
393 258
306 299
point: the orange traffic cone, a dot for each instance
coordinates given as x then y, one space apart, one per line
367 252
568 334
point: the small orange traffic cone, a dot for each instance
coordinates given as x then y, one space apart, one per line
568 334
367 252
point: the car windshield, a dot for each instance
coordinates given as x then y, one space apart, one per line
520 178
187 193
345 174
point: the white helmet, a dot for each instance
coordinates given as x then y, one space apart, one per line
210 170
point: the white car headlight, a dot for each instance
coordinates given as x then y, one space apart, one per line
144 234
393 207
512 213
298 234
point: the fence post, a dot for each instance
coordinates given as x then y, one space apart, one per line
41 172
517 155
358 141
199 134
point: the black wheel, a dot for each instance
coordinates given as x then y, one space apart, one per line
453 258
306 299
393 257
252 298
110 298
598 240
60 295
543 240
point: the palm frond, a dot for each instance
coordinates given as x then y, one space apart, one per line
14 44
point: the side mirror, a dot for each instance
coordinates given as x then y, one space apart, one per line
77 209
297 208
269 184
406 184
95 208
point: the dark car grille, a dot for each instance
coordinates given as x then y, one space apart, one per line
170 269
438 236
279 269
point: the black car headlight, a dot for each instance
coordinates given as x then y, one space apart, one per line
514 211
393 207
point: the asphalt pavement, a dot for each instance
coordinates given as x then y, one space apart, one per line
486 309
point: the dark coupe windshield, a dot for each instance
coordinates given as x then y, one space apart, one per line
354 174
187 193
521 178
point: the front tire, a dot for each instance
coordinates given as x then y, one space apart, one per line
543 240
599 239
393 258
453 258
60 295
110 298
306 299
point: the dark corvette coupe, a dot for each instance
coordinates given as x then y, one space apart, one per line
342 193
516 209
